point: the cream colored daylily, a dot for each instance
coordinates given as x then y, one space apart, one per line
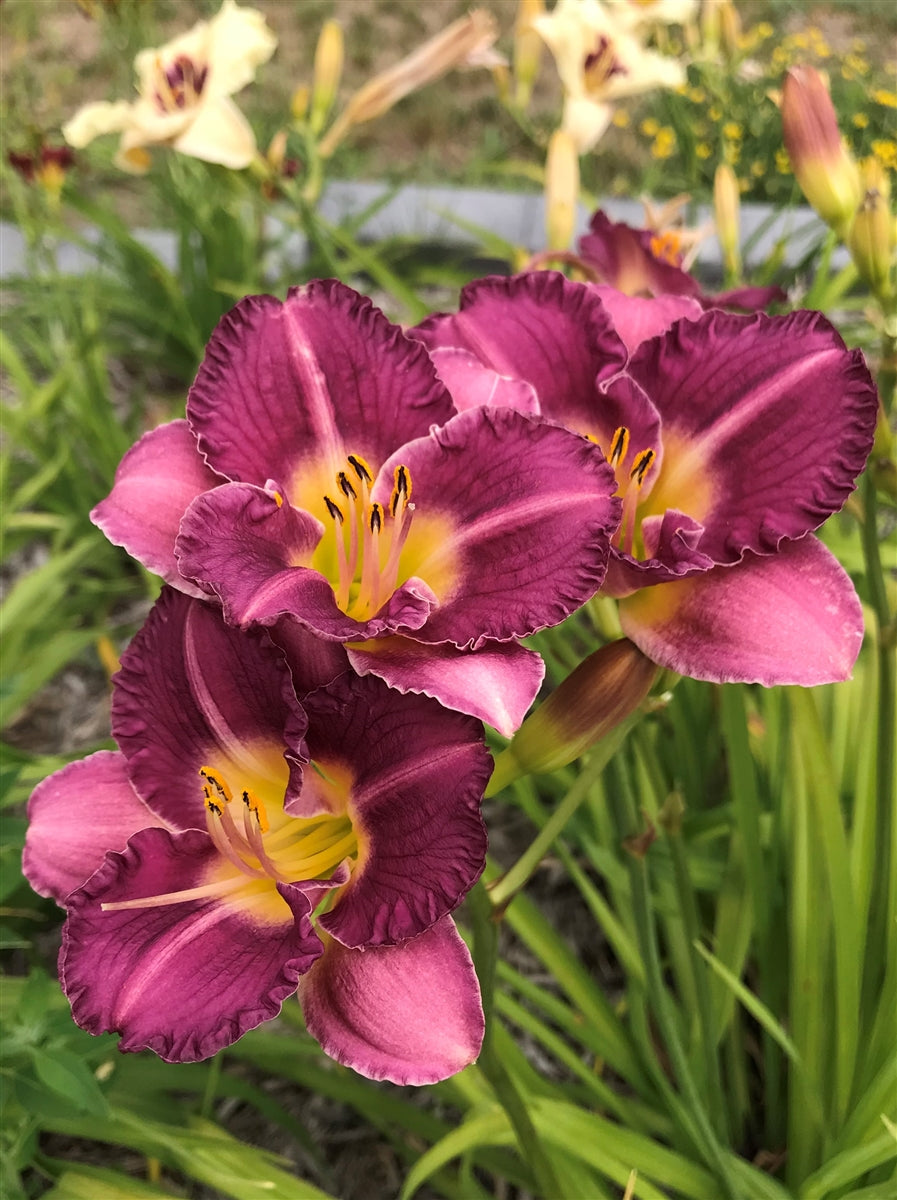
185 88
599 62
635 13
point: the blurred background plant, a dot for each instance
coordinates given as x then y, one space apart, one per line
685 942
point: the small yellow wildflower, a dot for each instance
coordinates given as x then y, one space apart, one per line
758 168
884 97
731 153
649 126
733 130
621 118
703 150
780 56
664 143
857 63
715 112
697 95
885 151
860 120
744 185
783 163
764 29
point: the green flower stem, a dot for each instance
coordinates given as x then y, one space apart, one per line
688 910
485 953
880 896
211 1088
661 1005
504 889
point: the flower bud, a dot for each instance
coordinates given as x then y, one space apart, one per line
467 41
561 190
299 102
824 168
727 209
527 50
329 57
605 689
729 30
871 237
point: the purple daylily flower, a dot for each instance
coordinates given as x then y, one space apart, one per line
732 437
641 262
325 477
242 845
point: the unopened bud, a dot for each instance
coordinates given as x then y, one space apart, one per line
729 29
329 58
561 190
299 102
277 149
871 237
527 50
467 41
824 168
605 689
727 210
711 26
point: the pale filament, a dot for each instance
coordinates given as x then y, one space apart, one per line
629 483
374 533
300 849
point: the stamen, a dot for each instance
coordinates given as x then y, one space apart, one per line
401 492
360 467
204 892
218 784
255 806
619 445
640 466
362 583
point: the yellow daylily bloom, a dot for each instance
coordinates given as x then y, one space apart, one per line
184 95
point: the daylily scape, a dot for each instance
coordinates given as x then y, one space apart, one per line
324 477
244 843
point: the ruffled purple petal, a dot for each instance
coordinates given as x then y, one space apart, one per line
471 383
154 483
623 258
74 817
766 423
181 979
254 553
528 512
194 692
496 683
637 318
313 662
288 388
541 328
410 1013
672 545
418 773
789 618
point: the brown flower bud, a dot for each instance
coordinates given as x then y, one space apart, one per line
605 689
